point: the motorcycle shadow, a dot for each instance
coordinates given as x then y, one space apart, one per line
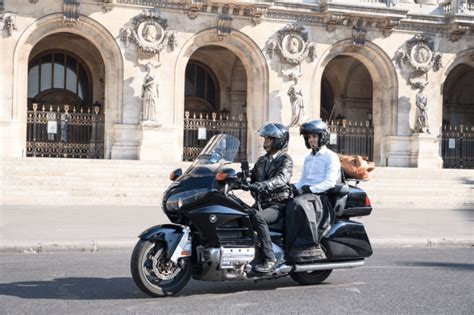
196 288
79 288
123 288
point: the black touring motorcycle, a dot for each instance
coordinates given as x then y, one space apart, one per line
212 237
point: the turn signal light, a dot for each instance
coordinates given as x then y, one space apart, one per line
173 176
221 176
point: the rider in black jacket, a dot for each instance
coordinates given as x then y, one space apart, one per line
270 179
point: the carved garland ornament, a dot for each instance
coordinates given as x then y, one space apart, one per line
150 32
291 44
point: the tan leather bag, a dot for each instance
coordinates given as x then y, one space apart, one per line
355 166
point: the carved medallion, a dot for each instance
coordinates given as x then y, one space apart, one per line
291 44
150 32
418 54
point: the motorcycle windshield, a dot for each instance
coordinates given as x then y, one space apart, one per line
221 149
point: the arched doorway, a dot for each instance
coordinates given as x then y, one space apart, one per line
385 118
215 99
458 118
99 50
346 104
63 80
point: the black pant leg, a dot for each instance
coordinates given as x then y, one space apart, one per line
260 222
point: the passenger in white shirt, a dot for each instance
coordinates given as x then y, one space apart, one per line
321 171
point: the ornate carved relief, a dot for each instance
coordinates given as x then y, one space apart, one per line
224 26
71 12
8 23
257 12
419 55
385 24
457 31
107 5
150 32
358 37
291 44
193 8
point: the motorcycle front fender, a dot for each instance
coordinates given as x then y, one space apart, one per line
177 238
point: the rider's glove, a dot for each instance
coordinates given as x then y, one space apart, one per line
306 189
258 187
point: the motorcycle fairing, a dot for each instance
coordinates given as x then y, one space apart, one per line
219 225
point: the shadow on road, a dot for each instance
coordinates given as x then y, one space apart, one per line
450 265
124 288
73 289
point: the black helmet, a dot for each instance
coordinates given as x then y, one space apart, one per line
276 131
315 127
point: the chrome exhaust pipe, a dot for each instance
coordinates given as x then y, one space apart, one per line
327 266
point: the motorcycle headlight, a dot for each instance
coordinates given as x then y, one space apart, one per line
175 202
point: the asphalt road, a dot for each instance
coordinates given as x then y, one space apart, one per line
394 281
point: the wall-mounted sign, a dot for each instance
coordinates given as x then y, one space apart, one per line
451 143
52 126
202 133
333 138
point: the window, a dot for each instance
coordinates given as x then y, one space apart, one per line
58 78
201 90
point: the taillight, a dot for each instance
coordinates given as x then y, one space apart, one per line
367 201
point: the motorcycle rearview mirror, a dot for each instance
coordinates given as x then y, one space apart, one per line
244 165
175 174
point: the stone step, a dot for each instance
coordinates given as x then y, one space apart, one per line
115 182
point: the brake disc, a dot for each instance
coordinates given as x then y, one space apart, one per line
164 270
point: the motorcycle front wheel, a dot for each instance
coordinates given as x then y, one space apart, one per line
154 274
308 278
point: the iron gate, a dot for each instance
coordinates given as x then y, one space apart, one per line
199 128
457 147
65 134
352 138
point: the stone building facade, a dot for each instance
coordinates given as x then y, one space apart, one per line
403 67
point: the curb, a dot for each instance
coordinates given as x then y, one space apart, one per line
65 246
102 246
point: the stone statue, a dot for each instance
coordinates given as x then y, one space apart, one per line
296 101
10 22
422 104
150 96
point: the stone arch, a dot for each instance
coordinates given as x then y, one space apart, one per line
257 78
385 89
454 74
105 43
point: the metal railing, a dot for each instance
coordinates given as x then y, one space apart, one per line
199 127
352 138
457 146
65 134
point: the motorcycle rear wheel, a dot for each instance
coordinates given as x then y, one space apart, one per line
309 278
153 274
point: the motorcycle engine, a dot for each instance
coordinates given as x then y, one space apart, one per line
226 257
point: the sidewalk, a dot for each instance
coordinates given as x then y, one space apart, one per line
98 228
